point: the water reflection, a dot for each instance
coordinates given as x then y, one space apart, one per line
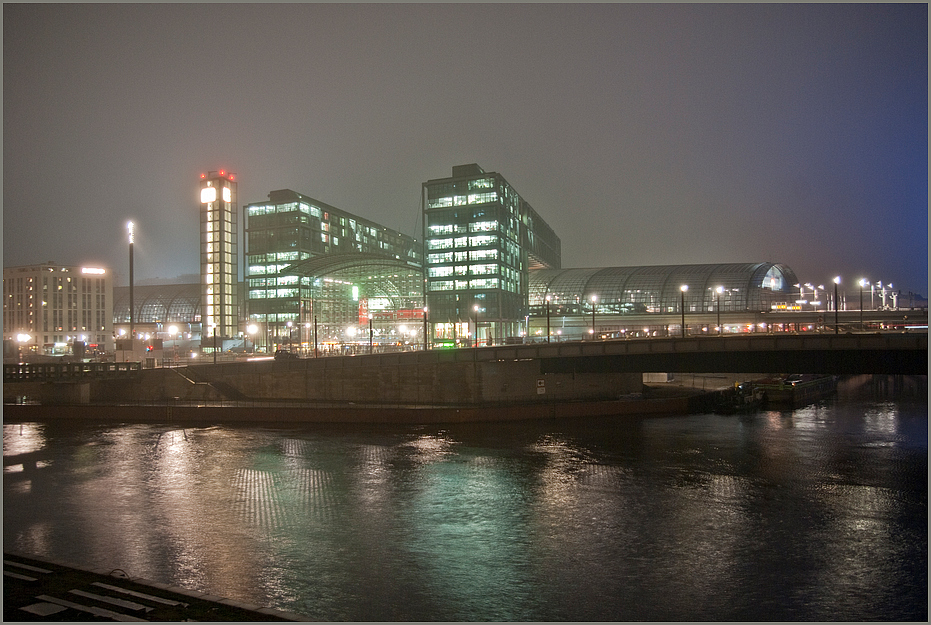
794 515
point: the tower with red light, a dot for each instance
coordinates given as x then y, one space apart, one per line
219 264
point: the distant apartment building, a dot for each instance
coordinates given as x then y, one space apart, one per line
49 308
219 262
482 240
305 259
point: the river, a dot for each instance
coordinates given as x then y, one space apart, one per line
818 513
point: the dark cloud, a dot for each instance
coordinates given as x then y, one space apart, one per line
643 134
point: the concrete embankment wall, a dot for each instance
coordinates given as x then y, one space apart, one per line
435 378
400 378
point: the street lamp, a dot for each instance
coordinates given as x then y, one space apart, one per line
476 309
836 282
251 330
307 327
425 344
594 298
683 289
131 228
717 298
862 283
371 335
547 318
289 324
23 339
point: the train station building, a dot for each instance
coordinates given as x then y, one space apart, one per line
487 269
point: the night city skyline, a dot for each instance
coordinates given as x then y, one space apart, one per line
644 135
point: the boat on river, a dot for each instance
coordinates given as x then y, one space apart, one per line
796 390
745 397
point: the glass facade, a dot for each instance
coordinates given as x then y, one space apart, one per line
163 303
298 253
219 263
481 240
657 289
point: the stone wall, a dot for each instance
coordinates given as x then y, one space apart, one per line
381 378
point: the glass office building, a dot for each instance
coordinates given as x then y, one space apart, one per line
307 260
482 239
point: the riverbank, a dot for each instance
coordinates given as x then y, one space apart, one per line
655 400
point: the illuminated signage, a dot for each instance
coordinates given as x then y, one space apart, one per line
95 270
208 194
227 195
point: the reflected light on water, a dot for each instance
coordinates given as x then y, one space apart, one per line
22 438
793 515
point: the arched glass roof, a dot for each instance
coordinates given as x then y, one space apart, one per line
743 286
161 303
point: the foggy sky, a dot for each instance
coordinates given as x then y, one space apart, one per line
643 134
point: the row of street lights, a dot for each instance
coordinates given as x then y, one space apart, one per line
718 291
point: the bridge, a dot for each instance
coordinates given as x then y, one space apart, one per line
507 374
905 354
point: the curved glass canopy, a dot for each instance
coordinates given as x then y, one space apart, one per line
659 289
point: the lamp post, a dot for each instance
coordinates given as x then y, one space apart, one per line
862 283
307 327
836 282
132 333
594 298
682 290
425 344
547 318
251 329
717 299
475 342
371 336
315 336
289 324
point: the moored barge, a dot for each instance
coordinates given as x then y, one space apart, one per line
796 390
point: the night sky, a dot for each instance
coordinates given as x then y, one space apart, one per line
643 134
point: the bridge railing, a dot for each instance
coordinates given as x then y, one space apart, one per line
70 371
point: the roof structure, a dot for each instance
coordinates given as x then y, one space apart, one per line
658 288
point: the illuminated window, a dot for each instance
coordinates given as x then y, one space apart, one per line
459 200
484 240
445 229
441 285
443 257
485 254
483 183
483 226
485 283
462 241
441 202
439 244
482 198
437 272
484 269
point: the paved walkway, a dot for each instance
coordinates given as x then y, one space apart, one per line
35 589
